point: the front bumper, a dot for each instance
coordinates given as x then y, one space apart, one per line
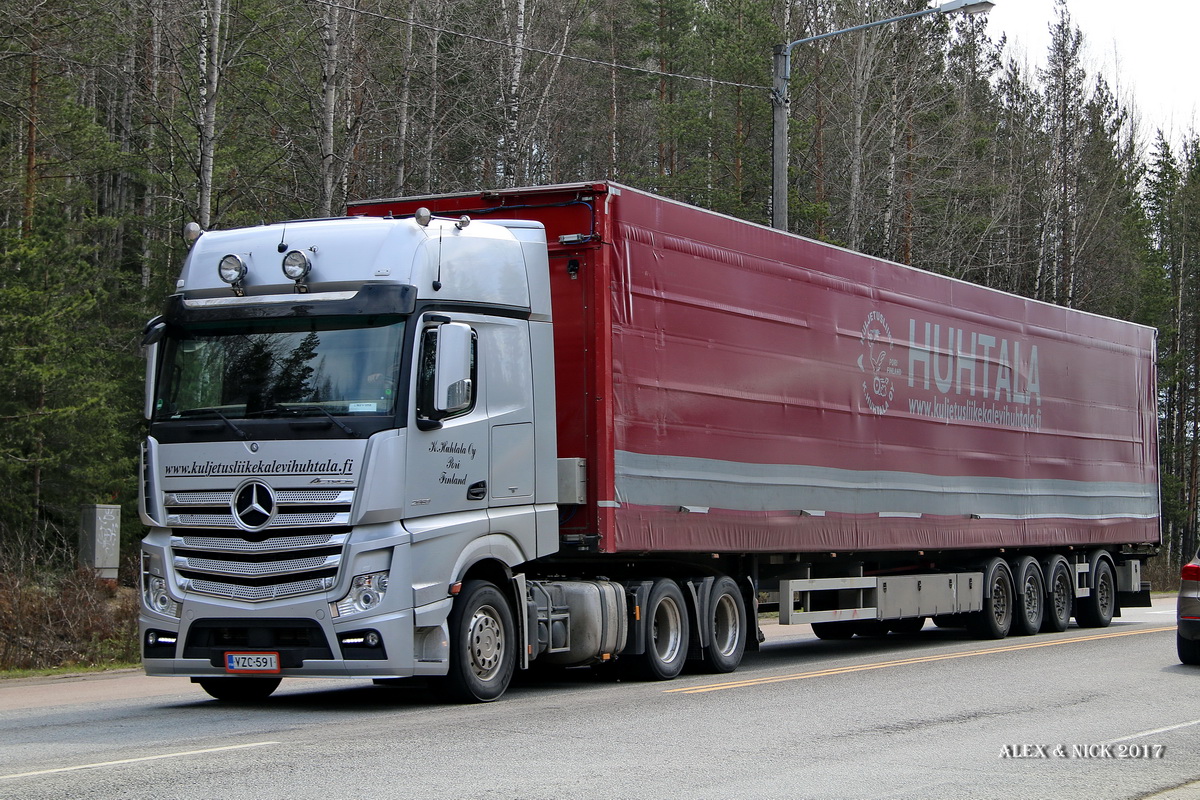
308 642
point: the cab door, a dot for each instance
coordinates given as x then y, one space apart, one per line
448 426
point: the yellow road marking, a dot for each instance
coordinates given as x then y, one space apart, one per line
823 673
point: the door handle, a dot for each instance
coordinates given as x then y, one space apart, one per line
477 491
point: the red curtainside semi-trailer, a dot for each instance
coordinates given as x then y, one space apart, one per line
876 443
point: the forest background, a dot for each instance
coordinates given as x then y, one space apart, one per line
925 142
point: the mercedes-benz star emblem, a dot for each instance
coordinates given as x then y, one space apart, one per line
253 505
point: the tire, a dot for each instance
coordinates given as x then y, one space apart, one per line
726 620
1059 596
1188 650
1030 609
483 652
1097 609
995 620
909 626
240 690
666 633
872 627
833 630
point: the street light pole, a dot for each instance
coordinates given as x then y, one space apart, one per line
781 73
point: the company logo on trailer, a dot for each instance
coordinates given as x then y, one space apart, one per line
877 364
964 375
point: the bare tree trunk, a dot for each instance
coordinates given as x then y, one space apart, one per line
819 151
859 86
510 157
330 80
405 115
210 57
434 102
31 133
153 47
891 207
613 115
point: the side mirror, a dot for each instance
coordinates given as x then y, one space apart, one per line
155 331
452 384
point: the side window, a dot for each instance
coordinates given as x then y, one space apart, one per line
446 373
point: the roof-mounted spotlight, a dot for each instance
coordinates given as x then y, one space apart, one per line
191 232
296 266
233 271
423 217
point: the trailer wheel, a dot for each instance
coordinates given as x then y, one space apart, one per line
482 645
871 628
994 621
1059 597
1096 610
1030 596
909 626
240 690
666 633
726 621
833 630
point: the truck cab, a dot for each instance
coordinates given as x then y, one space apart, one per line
347 418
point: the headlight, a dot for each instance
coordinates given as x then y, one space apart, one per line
366 593
154 592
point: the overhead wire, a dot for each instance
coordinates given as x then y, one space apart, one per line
563 55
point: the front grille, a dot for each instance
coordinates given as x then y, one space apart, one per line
299 551
277 543
303 507
255 594
254 569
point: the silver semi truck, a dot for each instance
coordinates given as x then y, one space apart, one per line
449 437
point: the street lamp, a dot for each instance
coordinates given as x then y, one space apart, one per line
779 97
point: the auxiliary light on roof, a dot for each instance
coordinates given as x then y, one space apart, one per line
232 270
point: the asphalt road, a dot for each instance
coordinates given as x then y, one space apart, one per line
1089 713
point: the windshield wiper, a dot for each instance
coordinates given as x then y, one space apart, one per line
297 411
196 412
345 428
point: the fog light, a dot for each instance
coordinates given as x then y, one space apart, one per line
160 639
364 645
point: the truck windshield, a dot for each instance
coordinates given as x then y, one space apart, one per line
281 367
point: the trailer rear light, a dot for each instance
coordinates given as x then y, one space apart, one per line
1191 572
